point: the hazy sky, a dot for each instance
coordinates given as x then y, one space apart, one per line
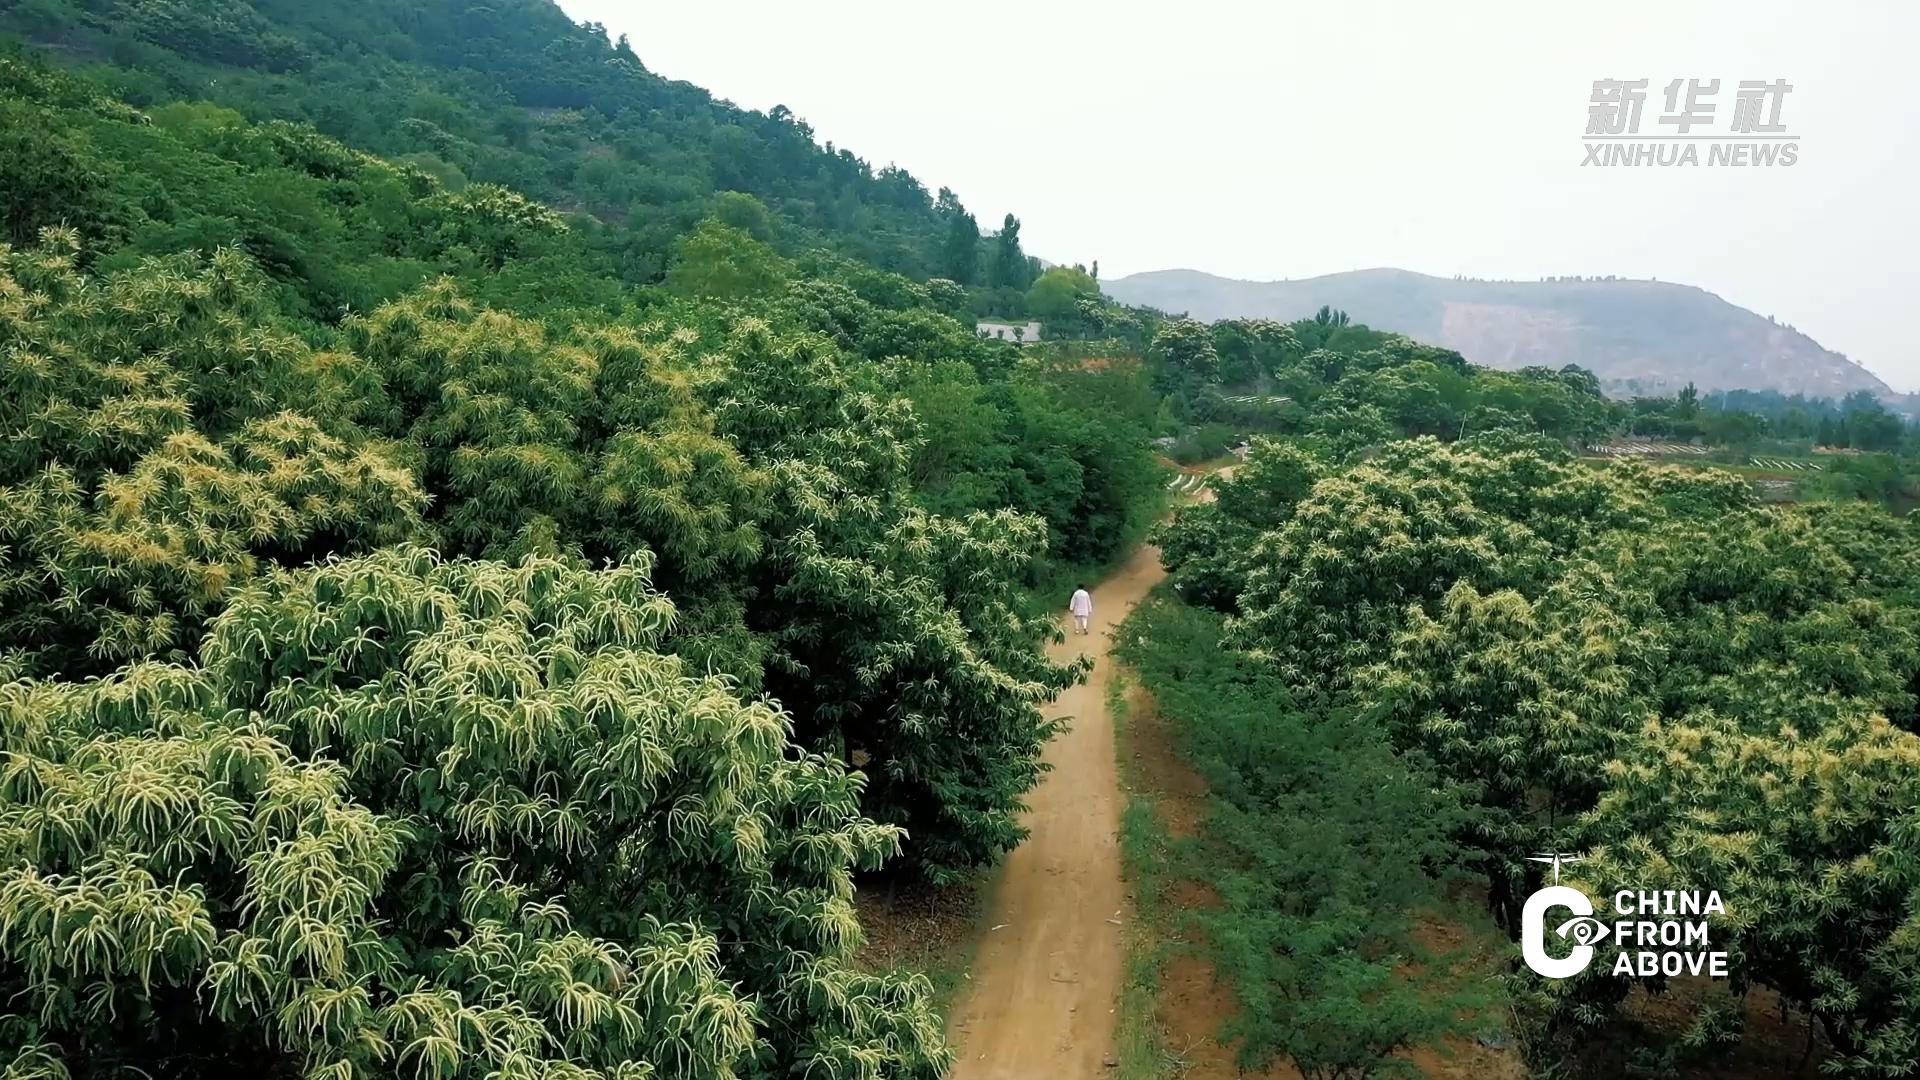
1280 140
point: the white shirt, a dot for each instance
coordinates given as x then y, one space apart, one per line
1081 604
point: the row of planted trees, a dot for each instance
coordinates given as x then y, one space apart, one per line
1644 664
406 811
462 694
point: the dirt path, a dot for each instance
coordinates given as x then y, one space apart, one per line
1046 979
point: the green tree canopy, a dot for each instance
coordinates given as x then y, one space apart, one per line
1647 664
1056 294
408 814
722 262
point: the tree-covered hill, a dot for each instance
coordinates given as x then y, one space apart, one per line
511 93
425 649
491 541
182 412
1638 337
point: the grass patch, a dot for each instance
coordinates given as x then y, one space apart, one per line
1311 864
1140 1042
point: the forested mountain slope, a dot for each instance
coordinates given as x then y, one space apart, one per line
1638 337
423 648
511 93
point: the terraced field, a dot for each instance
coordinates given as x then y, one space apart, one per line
1648 449
1186 483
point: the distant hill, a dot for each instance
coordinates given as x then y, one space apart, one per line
1636 336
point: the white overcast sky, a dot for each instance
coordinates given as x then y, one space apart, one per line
1285 140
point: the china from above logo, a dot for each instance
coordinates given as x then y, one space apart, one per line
1755 137
1673 944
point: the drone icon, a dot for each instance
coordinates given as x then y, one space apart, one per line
1557 861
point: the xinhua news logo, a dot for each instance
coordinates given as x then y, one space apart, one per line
1666 936
1684 134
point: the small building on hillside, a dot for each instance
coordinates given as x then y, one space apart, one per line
1025 334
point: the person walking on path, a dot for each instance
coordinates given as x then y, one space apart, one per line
1082 607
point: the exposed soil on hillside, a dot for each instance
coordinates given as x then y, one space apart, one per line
1192 1001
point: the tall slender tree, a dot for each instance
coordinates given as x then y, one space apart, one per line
960 257
1010 268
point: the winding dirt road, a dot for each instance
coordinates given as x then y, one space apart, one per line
1046 978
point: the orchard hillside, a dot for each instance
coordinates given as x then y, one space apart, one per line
497 547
